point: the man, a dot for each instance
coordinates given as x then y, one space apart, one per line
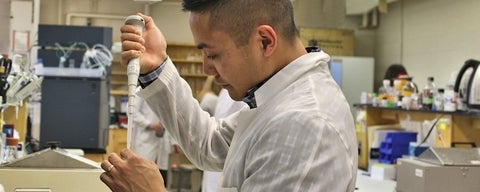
297 135
151 140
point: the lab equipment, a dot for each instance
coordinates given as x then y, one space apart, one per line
5 68
66 35
76 101
440 170
41 171
133 70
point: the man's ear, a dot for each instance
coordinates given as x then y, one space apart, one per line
268 39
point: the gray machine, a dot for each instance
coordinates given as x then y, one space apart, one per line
440 170
52 170
75 110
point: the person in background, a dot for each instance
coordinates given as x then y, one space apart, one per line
298 132
151 141
394 71
224 107
208 98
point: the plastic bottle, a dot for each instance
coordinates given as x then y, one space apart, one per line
438 101
384 93
409 88
11 150
397 96
428 94
449 101
385 88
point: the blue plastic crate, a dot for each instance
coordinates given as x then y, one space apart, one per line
400 137
395 145
399 149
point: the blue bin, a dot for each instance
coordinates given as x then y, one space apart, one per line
395 145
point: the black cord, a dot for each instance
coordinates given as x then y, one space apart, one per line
431 129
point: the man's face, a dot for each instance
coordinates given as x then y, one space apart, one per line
235 68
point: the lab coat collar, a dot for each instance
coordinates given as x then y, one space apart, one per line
288 74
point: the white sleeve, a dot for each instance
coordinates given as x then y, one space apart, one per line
204 140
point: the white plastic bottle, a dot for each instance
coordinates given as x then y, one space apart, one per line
449 101
384 93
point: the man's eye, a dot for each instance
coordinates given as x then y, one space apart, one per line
212 57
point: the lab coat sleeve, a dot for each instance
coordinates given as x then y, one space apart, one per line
139 118
204 140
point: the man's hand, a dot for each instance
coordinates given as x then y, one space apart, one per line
150 45
131 173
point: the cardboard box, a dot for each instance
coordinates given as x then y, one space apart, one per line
333 41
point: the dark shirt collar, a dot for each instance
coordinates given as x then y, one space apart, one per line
250 96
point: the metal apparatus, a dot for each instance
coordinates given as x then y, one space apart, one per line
52 169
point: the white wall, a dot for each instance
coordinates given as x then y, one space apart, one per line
331 14
174 22
5 21
429 37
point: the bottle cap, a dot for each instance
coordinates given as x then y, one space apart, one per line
386 82
12 141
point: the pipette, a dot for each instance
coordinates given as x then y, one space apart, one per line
133 70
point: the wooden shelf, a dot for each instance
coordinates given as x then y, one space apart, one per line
121 82
119 92
119 73
187 58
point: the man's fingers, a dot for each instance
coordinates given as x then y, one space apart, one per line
126 154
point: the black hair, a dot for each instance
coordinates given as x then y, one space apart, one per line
238 18
393 71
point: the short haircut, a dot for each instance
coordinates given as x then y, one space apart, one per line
238 18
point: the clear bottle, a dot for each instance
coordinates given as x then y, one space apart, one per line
397 90
428 94
385 88
438 101
11 150
409 88
449 99
384 93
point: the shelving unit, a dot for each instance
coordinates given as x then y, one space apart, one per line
186 57
189 62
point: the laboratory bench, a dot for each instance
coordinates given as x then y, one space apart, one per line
453 129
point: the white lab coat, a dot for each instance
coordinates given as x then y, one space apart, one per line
224 107
301 137
209 102
145 142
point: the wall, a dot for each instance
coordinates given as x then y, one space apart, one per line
331 14
174 23
5 21
430 37
168 15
